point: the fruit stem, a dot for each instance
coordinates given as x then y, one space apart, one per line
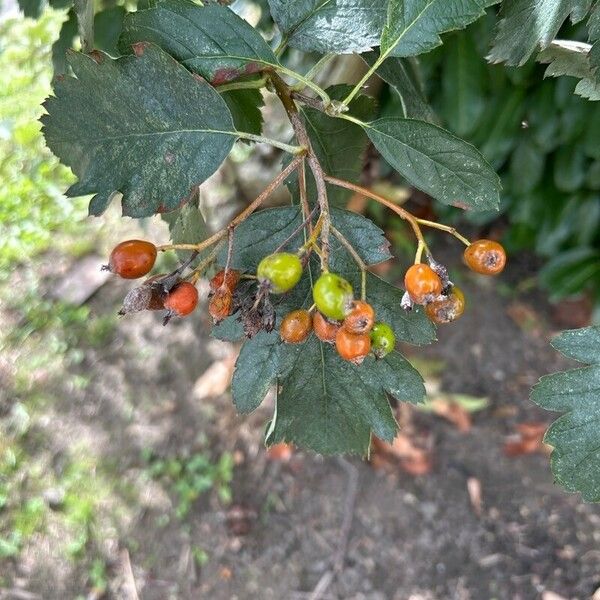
446 228
401 212
243 85
285 95
276 144
296 231
305 82
357 259
204 264
419 253
303 197
219 235
314 70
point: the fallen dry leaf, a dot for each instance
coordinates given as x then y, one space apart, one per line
452 412
527 440
402 452
216 379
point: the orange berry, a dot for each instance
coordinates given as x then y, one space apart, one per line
422 283
352 346
182 299
295 327
447 309
230 281
132 259
486 257
219 306
361 318
325 329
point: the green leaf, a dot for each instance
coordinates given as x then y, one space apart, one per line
462 83
572 59
338 26
258 366
264 231
84 9
569 168
570 272
331 406
527 165
31 8
530 25
139 125
186 225
245 106
108 24
209 40
339 145
436 162
67 34
594 33
500 125
402 75
414 26
575 435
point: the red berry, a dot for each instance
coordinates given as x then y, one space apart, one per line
132 259
447 309
182 299
352 346
486 257
295 327
219 306
361 318
230 280
325 329
422 283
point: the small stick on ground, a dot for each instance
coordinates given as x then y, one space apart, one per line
339 557
130 586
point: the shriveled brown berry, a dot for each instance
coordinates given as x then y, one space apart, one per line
486 257
361 317
296 326
352 347
132 259
447 309
230 280
325 329
220 304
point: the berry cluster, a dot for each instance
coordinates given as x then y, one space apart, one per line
336 317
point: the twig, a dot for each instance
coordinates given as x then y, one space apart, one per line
217 237
128 575
337 563
285 95
303 198
401 212
362 265
303 225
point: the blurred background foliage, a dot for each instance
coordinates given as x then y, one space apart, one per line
545 143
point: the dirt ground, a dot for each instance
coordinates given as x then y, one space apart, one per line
410 538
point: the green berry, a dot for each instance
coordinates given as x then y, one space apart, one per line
383 339
333 296
282 270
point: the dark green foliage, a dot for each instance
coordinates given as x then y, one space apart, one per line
152 131
575 436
